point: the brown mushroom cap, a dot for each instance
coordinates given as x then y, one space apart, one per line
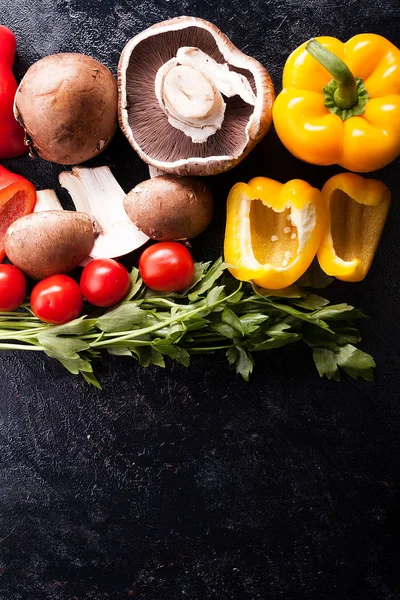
146 125
170 208
49 242
67 104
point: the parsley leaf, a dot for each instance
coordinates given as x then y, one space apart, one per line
215 313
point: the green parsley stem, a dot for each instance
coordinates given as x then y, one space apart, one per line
164 302
21 347
164 323
22 329
138 332
207 349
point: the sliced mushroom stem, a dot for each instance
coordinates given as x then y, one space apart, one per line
47 200
153 172
97 192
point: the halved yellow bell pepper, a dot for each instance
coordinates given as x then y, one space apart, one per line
351 122
273 230
357 211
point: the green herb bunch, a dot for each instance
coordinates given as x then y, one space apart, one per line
217 313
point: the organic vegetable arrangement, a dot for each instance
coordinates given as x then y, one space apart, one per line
191 104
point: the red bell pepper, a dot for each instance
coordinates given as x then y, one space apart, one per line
11 134
17 198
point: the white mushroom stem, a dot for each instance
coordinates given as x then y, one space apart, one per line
153 172
47 200
189 89
190 100
228 82
97 193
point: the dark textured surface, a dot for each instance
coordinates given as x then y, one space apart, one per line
191 483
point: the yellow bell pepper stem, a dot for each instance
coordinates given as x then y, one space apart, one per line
345 94
311 114
357 211
273 230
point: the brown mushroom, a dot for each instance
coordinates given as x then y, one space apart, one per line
67 104
170 208
49 242
190 103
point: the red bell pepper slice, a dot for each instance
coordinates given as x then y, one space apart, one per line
11 134
17 198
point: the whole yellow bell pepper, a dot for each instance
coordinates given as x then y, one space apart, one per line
273 230
357 211
352 120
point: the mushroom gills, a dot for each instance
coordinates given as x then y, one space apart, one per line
189 89
143 114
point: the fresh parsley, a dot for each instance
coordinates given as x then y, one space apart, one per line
217 313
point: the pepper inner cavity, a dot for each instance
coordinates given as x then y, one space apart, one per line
274 238
10 211
354 227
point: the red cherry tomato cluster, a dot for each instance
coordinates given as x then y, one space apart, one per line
164 267
59 299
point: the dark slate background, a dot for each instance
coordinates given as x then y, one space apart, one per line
191 483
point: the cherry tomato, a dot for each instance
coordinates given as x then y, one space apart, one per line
12 287
104 282
57 299
166 267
